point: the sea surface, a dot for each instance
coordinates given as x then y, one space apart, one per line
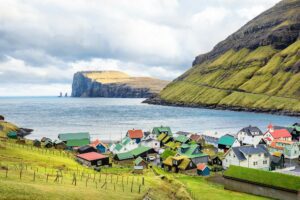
110 118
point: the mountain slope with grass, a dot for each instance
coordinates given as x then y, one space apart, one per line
256 68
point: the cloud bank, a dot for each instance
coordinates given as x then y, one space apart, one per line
42 43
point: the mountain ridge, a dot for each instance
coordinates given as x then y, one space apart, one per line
254 69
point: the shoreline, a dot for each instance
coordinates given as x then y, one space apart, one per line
158 101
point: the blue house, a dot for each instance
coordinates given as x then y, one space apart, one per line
99 146
203 170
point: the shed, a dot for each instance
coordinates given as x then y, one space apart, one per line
203 170
141 162
215 160
86 149
92 159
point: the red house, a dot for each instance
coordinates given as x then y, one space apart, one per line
278 134
136 135
92 158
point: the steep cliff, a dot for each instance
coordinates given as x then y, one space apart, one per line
114 84
256 68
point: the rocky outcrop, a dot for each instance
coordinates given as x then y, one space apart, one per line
114 84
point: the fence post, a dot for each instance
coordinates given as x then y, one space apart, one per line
21 173
139 189
143 180
33 175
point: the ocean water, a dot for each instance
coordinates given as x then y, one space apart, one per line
110 118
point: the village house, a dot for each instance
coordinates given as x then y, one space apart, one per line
58 144
193 152
182 139
250 135
162 129
164 138
92 159
211 138
75 139
151 142
139 161
125 145
227 141
295 131
278 134
250 156
100 146
203 170
198 139
135 134
289 149
140 151
178 163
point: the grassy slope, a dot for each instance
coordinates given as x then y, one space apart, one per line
259 79
265 177
202 189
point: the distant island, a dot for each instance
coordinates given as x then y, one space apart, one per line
114 84
255 69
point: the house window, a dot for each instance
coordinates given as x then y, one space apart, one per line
234 155
191 164
155 144
99 162
254 163
259 155
265 162
229 154
249 156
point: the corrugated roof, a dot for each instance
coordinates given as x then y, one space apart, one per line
182 138
76 143
227 140
140 150
73 136
134 134
91 156
124 156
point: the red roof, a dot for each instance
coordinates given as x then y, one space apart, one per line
201 166
133 134
280 133
270 126
91 156
268 138
195 137
96 143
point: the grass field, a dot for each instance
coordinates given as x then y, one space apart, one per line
269 178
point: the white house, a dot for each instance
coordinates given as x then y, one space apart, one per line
125 145
250 156
250 135
278 134
153 143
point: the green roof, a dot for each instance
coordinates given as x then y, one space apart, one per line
227 140
138 160
191 151
295 127
124 156
182 138
161 137
73 136
118 147
162 129
140 150
78 143
166 139
12 134
125 140
167 153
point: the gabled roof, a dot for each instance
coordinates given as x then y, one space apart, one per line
91 156
182 138
195 137
280 133
96 143
118 146
73 136
134 134
125 140
162 129
241 151
251 130
168 161
161 136
190 151
138 160
124 156
184 163
226 140
201 166
140 150
166 139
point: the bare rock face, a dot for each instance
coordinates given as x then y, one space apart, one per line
278 26
114 84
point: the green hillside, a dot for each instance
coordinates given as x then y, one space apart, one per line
256 69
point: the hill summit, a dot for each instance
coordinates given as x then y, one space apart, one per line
254 69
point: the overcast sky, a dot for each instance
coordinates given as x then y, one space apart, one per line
43 43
